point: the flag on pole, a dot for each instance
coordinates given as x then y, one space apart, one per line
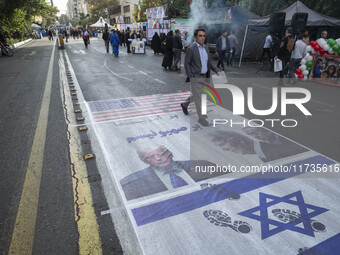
136 24
149 3
139 10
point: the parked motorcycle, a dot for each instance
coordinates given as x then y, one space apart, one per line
5 49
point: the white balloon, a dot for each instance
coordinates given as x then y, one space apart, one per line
322 43
310 58
303 61
331 51
303 67
326 47
307 56
313 51
338 41
305 78
305 72
309 48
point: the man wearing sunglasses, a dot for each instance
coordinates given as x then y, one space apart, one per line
162 174
197 67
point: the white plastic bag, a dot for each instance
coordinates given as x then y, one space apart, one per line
277 65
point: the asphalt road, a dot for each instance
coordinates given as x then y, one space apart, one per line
101 76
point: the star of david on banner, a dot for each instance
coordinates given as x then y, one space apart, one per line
270 227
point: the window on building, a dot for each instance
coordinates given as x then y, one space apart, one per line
116 10
127 20
126 8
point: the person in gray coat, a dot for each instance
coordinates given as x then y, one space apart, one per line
197 66
222 47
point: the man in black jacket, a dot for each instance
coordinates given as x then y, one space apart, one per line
176 49
285 51
128 43
222 47
106 38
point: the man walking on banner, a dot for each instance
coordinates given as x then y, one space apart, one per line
197 67
114 39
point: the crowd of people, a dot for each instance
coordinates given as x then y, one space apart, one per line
291 49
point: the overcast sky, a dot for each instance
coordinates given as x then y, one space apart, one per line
61 4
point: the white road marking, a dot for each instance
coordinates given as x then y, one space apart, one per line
130 66
115 73
143 73
160 81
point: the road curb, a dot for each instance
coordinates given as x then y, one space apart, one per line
16 45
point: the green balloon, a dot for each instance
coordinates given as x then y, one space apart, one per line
336 47
309 69
331 42
309 63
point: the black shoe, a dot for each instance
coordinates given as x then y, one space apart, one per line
203 122
218 67
185 109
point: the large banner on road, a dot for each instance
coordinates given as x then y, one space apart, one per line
182 203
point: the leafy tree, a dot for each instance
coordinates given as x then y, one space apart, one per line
64 19
17 16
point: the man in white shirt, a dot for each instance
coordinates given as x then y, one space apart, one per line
299 52
266 47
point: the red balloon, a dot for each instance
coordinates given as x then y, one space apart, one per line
298 71
300 76
322 51
313 43
317 47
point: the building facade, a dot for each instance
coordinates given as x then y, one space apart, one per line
122 12
76 7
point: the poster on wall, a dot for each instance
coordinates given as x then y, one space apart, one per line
326 69
159 12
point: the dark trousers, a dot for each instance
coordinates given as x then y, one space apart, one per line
128 47
107 46
293 65
265 50
86 41
196 95
284 67
221 56
231 56
176 57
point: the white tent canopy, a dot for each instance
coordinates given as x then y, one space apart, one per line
100 23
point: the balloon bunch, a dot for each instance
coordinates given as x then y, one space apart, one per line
306 66
322 46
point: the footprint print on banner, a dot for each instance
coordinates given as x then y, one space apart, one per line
311 251
222 219
286 215
219 190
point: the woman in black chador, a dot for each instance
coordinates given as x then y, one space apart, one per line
156 44
167 60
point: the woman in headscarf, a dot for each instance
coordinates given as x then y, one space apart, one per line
167 59
163 38
156 44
